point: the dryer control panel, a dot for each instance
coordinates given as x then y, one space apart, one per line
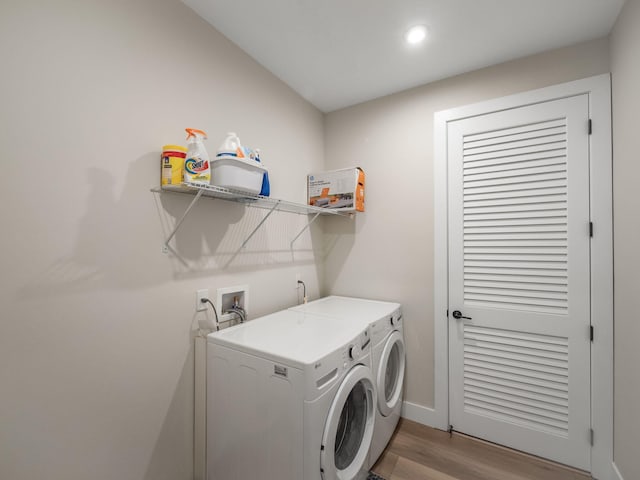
396 319
385 325
365 338
359 347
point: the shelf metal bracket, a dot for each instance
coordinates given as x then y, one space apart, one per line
273 209
258 226
304 229
177 255
184 215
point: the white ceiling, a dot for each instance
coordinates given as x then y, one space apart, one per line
337 53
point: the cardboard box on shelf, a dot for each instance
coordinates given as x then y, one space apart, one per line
337 189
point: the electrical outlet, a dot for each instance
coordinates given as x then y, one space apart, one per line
297 280
200 294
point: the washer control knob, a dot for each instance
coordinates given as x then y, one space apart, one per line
353 352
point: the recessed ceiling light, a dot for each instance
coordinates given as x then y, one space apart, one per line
416 34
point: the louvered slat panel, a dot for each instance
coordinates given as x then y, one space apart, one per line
552 235
522 354
539 206
515 222
546 225
517 377
546 266
553 408
518 250
543 149
509 160
482 361
522 200
527 243
518 304
556 283
518 392
502 373
517 163
516 387
530 180
530 408
500 256
531 127
522 143
533 275
519 293
532 214
535 192
518 418
523 134
515 207
542 287
530 337
528 186
514 170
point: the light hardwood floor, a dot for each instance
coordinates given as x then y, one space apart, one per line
416 452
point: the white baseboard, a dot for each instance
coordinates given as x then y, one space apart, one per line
418 413
616 473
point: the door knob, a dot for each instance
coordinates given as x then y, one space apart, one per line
457 314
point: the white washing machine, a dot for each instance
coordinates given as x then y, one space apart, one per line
290 396
388 355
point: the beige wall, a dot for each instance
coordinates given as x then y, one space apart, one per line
96 363
625 72
389 252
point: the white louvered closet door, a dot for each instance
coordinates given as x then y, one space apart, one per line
519 269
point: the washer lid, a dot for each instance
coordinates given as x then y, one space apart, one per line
296 338
348 308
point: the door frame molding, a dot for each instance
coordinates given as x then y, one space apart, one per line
598 88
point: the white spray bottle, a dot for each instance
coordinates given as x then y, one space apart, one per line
197 168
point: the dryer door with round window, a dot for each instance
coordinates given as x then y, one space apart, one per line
349 427
391 373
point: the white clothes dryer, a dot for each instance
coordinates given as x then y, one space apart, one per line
388 355
290 396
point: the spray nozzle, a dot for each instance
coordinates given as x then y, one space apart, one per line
193 132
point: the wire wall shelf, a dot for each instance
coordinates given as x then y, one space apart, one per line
250 200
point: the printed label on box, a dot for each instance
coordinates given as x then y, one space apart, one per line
338 189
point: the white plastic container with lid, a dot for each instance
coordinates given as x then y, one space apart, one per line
237 174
